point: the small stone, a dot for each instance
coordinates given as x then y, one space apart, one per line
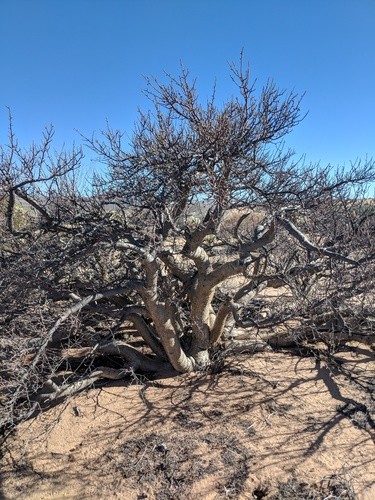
162 448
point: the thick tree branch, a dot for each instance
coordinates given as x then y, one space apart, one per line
305 242
146 333
218 327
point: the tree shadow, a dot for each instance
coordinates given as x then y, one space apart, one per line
256 401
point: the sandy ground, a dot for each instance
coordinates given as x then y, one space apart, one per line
271 425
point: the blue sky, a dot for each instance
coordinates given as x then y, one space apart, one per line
78 63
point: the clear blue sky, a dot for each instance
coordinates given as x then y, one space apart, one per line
77 63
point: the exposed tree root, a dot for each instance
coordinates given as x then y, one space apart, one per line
52 392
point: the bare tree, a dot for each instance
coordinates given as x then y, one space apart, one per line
178 241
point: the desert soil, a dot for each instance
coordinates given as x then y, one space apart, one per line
270 425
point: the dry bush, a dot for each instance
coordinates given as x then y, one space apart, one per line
185 236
